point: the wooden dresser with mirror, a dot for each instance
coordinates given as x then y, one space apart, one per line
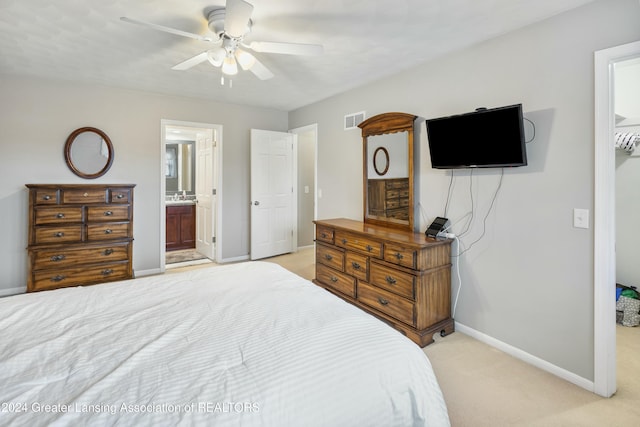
79 234
381 264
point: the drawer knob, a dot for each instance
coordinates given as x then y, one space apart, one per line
399 255
108 213
369 248
60 215
108 251
57 258
107 272
47 197
355 265
59 234
86 194
57 278
328 257
324 235
120 196
344 241
390 280
108 231
383 301
334 279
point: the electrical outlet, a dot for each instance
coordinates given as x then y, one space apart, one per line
581 218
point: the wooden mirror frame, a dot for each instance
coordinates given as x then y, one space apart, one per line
69 160
379 125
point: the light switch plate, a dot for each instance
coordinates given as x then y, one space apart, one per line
581 218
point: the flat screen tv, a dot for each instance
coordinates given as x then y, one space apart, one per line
485 138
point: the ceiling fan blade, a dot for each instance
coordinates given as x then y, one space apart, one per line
191 62
166 29
238 13
287 48
260 71
249 62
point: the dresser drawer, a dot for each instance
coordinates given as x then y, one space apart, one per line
398 282
62 257
330 256
88 195
336 280
61 234
52 279
120 195
400 213
393 194
58 214
324 234
392 184
386 302
359 243
401 256
357 265
393 203
104 231
46 196
107 213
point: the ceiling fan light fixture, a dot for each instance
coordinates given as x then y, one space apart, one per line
245 59
216 56
229 66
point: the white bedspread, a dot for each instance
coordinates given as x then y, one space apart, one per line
247 344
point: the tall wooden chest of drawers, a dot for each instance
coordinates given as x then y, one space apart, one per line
79 234
404 278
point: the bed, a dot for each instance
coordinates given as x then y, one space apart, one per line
248 344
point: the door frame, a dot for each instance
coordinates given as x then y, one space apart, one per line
604 270
218 171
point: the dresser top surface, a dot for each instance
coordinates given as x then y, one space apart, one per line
71 186
383 233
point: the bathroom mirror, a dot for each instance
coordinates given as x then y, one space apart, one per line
180 168
88 152
388 170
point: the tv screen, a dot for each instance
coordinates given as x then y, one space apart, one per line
485 138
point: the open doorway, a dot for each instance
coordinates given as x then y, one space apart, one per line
307 178
191 198
604 216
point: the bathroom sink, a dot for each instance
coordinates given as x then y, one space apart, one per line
179 202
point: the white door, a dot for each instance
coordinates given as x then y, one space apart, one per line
272 193
205 193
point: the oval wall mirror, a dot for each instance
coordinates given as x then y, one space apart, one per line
88 152
381 161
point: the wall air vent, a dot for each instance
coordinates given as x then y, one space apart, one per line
351 121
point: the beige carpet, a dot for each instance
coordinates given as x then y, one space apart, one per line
486 387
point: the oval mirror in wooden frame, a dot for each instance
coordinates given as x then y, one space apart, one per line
388 198
88 152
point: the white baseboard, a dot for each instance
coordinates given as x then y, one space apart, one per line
12 291
236 259
528 358
142 273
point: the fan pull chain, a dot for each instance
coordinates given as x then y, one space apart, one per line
222 82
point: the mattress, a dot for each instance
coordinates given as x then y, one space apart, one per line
248 344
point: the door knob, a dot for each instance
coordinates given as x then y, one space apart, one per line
256 203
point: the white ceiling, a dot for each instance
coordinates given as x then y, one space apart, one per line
364 40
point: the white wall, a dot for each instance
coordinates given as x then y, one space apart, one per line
528 282
36 116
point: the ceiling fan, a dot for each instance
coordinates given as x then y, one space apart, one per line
230 25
